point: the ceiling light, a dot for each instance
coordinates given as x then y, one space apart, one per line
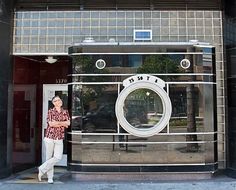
50 60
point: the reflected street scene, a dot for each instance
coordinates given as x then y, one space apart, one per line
143 108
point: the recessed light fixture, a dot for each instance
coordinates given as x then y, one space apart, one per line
50 60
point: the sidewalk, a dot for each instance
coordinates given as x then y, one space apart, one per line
66 180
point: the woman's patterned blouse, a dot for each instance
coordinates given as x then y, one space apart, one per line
56 133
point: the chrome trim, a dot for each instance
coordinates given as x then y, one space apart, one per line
186 117
187 164
141 53
159 134
115 83
168 124
118 124
193 82
130 74
204 46
142 142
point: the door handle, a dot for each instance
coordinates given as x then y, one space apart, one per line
32 132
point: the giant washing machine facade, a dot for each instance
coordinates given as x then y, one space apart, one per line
142 107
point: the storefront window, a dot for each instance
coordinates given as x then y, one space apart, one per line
123 118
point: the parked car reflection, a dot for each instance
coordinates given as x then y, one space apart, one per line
103 120
76 122
136 115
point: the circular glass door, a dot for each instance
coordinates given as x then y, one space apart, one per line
143 109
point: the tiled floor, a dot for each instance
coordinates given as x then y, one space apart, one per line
30 176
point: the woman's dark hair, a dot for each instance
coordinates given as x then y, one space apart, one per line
56 96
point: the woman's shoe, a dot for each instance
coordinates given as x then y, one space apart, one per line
40 174
50 181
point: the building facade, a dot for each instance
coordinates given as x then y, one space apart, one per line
230 43
6 87
97 45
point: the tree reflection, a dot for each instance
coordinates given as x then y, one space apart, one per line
89 93
159 64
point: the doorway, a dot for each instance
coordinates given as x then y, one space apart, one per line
24 122
49 91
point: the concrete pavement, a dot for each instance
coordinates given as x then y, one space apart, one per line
66 180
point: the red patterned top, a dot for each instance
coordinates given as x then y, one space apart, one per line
56 133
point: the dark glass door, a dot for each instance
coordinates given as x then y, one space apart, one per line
23 126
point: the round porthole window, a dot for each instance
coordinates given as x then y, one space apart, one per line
185 63
100 64
143 108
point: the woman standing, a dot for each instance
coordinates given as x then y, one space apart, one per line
57 120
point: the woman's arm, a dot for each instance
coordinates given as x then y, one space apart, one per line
59 123
65 123
53 123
